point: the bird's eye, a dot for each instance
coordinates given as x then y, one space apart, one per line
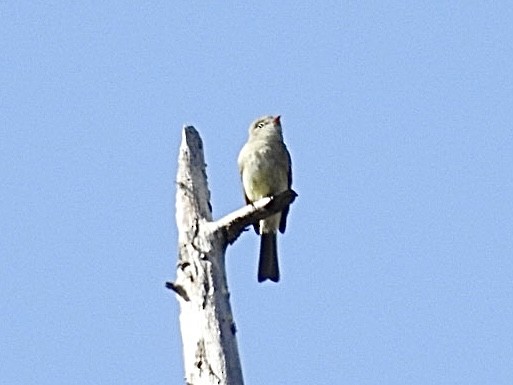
260 125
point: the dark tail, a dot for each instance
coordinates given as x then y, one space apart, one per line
268 264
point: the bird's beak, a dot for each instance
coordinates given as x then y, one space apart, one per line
277 120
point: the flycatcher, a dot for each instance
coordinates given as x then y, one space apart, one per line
265 169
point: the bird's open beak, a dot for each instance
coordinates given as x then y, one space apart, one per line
277 120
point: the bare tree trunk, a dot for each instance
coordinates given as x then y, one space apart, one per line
207 325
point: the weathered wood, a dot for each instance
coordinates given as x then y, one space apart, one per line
234 223
206 322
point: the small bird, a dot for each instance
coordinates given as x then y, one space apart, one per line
265 170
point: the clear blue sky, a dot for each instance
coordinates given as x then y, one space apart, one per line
397 263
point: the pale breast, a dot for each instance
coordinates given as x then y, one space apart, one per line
264 170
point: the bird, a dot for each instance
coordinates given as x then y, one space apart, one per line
265 169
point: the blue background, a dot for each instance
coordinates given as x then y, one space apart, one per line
397 262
